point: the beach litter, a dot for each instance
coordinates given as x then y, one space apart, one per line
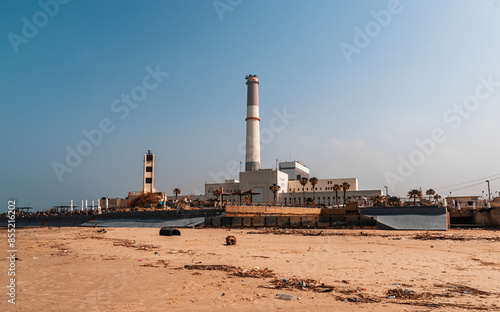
295 283
233 270
284 296
230 240
401 294
129 243
167 231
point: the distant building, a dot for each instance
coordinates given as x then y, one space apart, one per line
466 202
295 170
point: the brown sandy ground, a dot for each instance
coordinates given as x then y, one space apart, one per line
135 269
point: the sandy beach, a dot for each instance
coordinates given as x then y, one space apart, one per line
135 269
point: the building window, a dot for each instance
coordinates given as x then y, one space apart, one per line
149 169
149 180
149 157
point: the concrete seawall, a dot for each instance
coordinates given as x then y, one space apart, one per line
317 221
387 218
430 218
487 217
183 218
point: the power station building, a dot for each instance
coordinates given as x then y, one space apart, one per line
288 175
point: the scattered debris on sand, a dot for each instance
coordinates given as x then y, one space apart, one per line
396 236
158 264
453 237
400 293
281 231
230 240
301 284
133 244
236 271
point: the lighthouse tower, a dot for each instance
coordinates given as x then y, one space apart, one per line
252 159
148 173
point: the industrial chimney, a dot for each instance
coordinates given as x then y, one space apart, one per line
252 160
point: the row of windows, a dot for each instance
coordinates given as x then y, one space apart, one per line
328 188
328 198
307 189
209 191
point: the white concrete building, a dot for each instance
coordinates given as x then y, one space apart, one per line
323 185
260 181
327 198
295 170
230 186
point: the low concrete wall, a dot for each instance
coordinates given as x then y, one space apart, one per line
294 221
270 210
183 218
409 218
487 217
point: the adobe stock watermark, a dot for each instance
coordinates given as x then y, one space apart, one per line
454 118
277 124
223 6
363 36
31 26
121 108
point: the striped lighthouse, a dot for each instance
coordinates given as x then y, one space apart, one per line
252 159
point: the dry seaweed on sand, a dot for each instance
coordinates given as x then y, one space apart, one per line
400 293
453 237
236 271
129 243
301 284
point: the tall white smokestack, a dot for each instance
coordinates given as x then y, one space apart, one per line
252 160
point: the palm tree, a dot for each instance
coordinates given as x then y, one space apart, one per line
377 200
176 192
437 197
303 182
337 188
394 201
414 194
275 189
430 193
313 182
345 186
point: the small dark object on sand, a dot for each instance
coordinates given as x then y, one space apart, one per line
166 231
230 240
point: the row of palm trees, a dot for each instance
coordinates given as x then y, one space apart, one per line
418 194
337 187
414 193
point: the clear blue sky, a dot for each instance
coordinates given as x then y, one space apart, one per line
352 119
